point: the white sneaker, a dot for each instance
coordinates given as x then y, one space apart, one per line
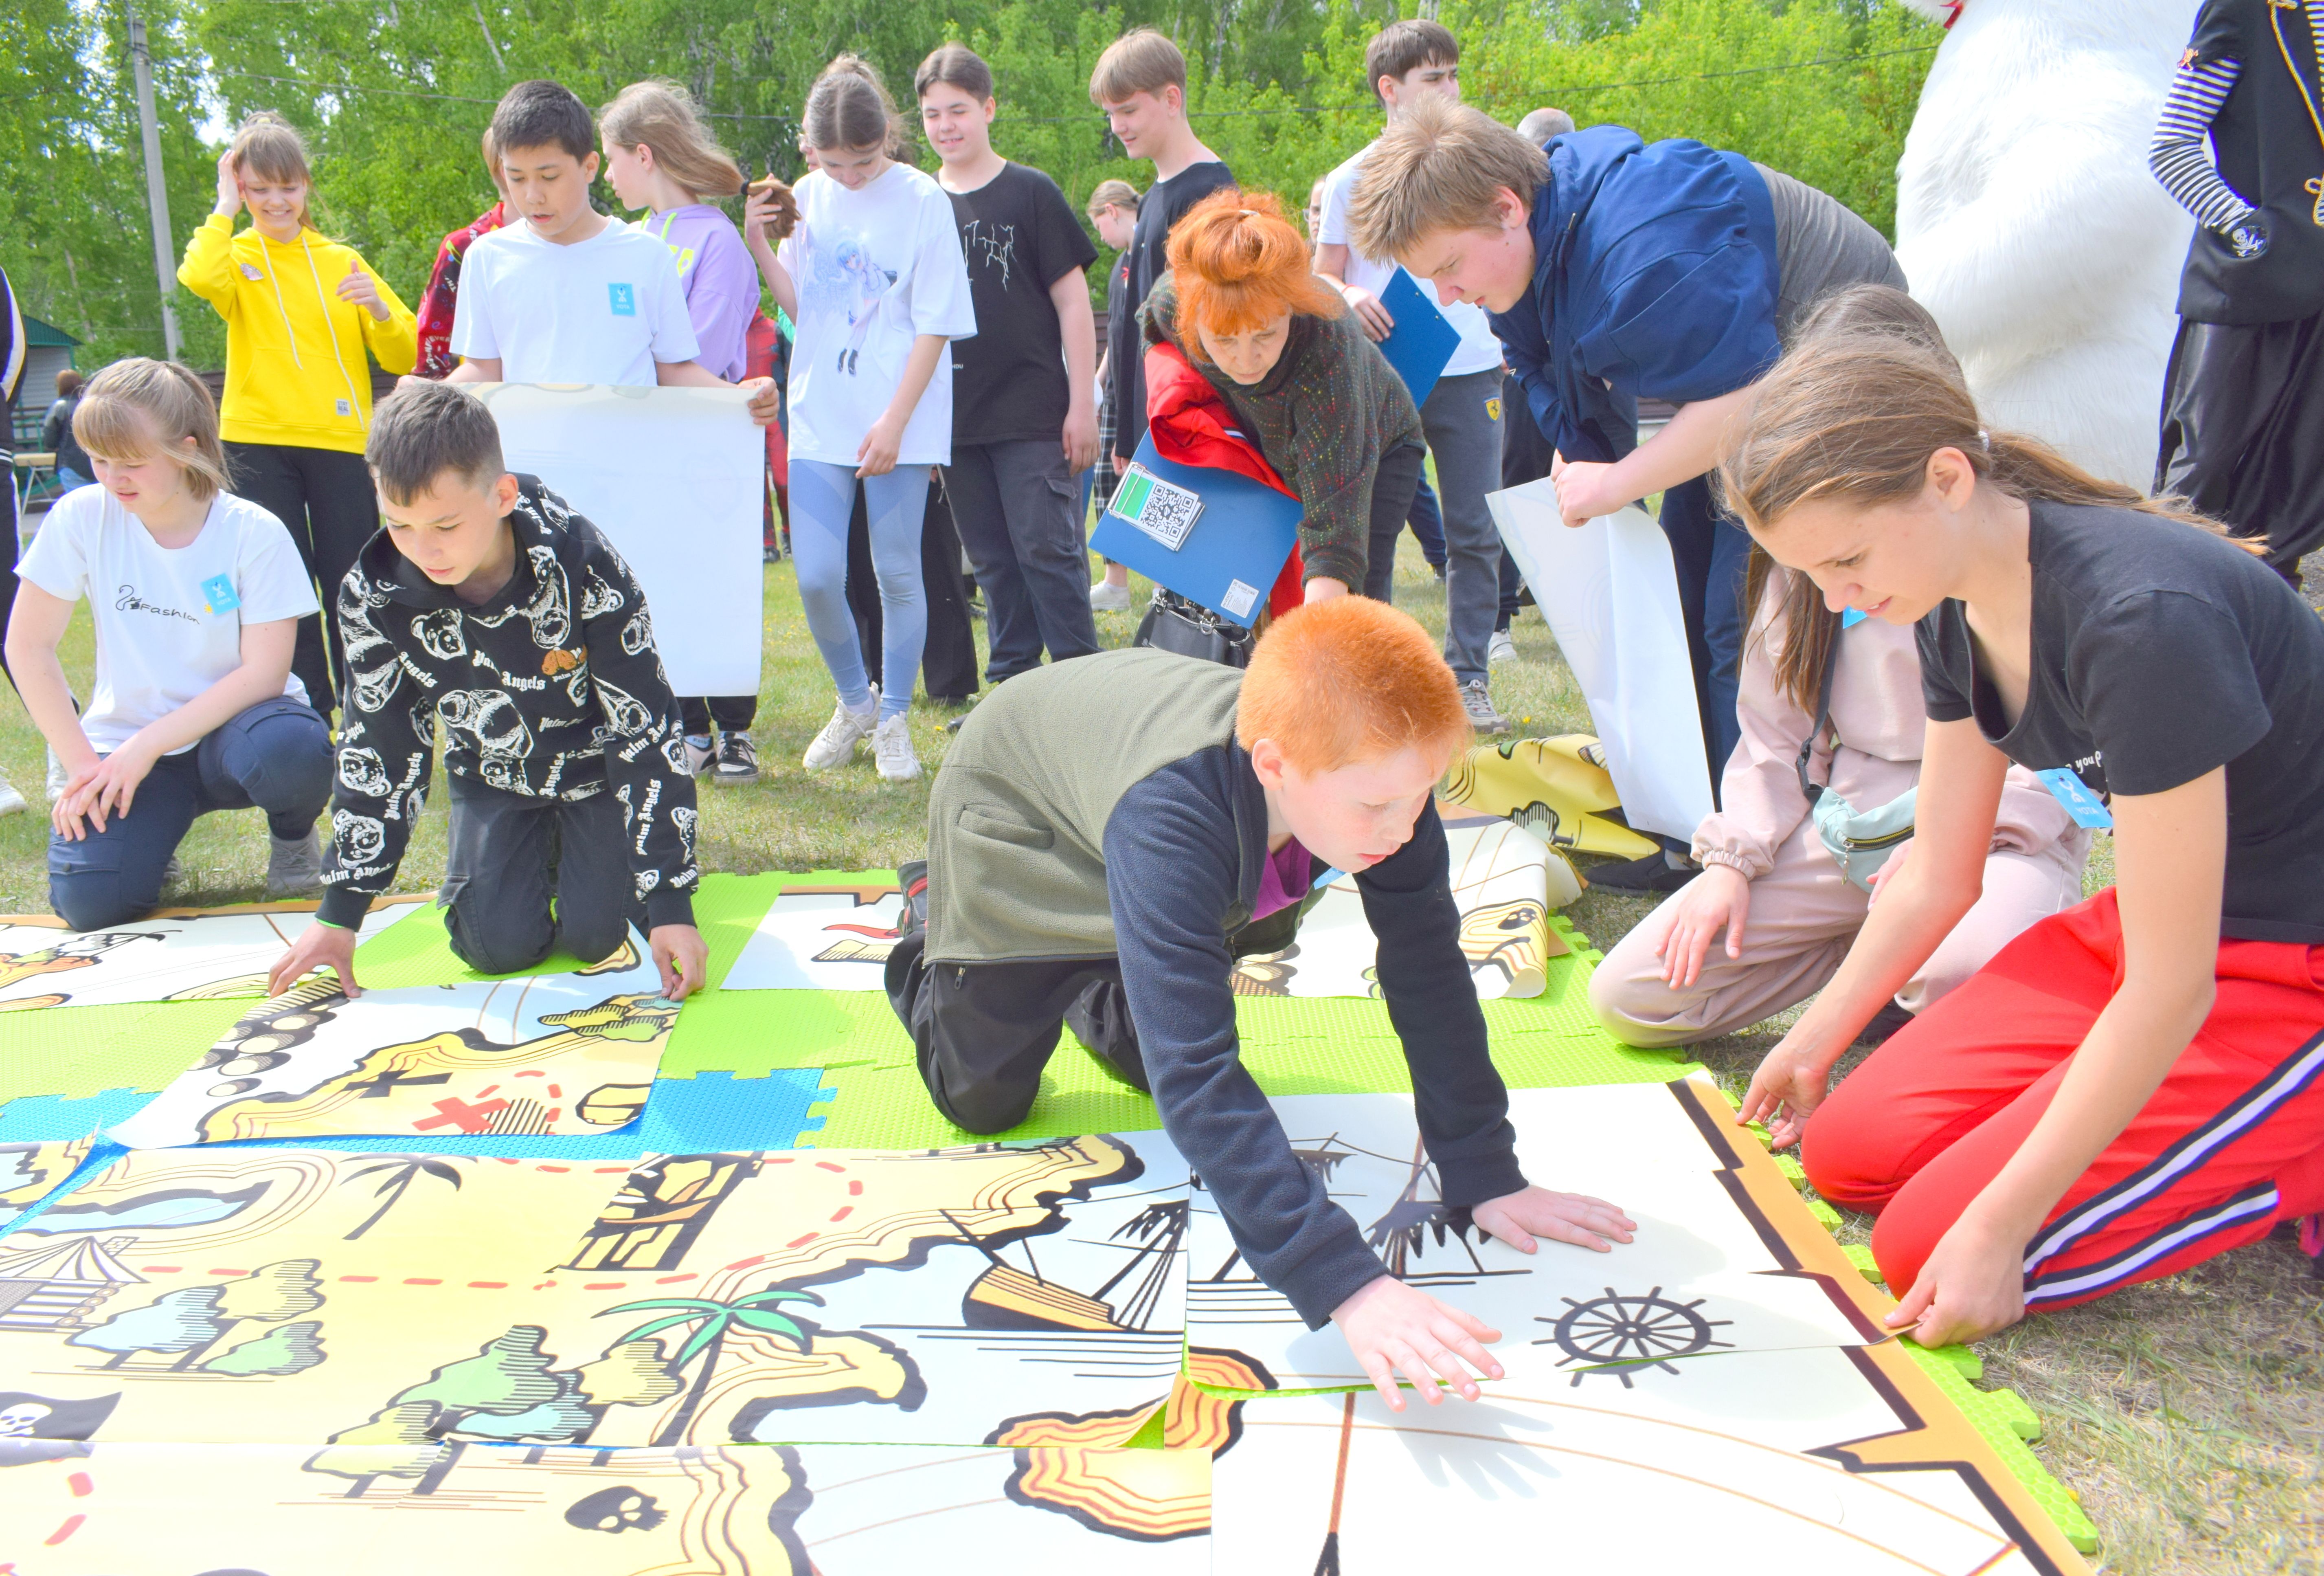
1503 649
1105 596
892 746
836 745
1478 701
11 802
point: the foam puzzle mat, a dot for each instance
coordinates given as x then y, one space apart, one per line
781 1317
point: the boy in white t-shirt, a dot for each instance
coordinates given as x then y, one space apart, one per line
196 595
569 295
1406 60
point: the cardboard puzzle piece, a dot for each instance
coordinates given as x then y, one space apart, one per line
487 1510
176 955
1726 1256
560 1054
1822 1459
1027 1295
837 937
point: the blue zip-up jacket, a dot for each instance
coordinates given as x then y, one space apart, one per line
1655 275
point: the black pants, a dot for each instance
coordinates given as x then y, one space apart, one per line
325 498
727 713
984 1031
1013 504
511 854
948 661
1393 487
2243 432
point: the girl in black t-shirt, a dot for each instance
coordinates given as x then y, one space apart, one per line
2133 1085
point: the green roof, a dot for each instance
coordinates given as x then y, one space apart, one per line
37 332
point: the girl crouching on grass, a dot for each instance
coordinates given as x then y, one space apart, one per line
874 277
196 595
2137 1083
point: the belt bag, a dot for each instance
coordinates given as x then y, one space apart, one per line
1859 841
1173 623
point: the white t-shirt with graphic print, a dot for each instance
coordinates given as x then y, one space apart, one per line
168 620
874 269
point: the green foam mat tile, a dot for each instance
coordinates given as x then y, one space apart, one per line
2005 1422
1860 1256
75 1052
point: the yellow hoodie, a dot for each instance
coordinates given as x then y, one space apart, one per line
295 371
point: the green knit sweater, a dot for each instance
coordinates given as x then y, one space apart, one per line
1323 416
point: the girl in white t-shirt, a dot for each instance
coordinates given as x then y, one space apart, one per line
874 276
195 595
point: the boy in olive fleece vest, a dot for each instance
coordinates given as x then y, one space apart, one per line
1106 879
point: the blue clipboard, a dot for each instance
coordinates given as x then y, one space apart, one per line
1212 536
1422 343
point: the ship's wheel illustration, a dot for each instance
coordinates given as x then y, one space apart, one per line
1618 1332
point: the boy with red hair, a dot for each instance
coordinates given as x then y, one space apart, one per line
1107 881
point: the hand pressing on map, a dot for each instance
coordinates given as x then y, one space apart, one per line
322 946
1393 1328
1971 1285
684 959
1517 1218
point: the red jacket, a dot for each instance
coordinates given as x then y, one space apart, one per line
1193 426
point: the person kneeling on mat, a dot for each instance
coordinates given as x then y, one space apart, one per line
1108 881
522 631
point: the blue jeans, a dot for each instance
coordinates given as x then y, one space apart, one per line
822 494
68 479
276 757
1710 551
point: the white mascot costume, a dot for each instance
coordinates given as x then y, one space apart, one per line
2030 226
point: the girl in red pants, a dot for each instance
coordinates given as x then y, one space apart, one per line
2133 1085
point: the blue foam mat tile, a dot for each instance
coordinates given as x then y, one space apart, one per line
49 1118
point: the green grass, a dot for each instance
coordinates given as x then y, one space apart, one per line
2187 1414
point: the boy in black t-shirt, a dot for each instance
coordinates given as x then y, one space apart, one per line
1114 212
1023 411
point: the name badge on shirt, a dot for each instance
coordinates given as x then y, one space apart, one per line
346 407
624 298
219 595
2086 807
251 271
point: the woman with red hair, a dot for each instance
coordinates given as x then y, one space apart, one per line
1243 304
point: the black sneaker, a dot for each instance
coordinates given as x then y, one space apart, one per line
912 876
1652 874
737 762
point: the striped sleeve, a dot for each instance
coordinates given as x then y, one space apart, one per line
2178 155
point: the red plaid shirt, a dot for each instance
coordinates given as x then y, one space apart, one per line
437 305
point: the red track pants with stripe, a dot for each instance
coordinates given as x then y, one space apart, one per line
2232 1143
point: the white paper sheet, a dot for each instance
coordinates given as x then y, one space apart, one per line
1610 595
676 478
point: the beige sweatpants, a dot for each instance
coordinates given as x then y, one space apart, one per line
1803 917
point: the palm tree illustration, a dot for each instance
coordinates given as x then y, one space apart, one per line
401 1171
712 1321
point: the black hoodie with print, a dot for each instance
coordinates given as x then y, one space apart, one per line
552 688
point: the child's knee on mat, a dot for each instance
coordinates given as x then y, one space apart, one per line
1619 1002
1850 1156
986 1106
90 900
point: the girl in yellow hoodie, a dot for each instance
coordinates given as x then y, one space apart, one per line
301 311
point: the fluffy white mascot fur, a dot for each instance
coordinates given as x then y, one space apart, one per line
2030 226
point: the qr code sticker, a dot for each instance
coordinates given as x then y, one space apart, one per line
1241 598
1161 509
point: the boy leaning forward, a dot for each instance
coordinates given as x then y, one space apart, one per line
1106 881
485 604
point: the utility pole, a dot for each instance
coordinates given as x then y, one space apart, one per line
157 195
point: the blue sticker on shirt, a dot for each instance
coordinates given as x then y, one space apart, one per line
218 596
625 300
2070 791
1850 617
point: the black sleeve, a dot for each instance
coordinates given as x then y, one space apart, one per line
1172 863
1060 244
2167 689
2217 36
645 743
386 750
1940 641
1457 1093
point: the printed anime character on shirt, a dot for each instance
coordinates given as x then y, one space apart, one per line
846 277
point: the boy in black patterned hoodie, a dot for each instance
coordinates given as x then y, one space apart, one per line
484 603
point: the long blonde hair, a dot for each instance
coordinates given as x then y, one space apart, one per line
132 406
662 116
269 148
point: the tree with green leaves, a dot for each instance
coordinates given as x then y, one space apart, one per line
286 1348
713 1321
184 1320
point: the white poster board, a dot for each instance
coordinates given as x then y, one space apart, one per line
1610 594
675 479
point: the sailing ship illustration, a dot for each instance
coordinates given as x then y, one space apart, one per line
1006 1297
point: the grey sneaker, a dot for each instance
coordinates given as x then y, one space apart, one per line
891 746
294 865
737 761
701 749
1477 699
837 743
1502 649
1105 596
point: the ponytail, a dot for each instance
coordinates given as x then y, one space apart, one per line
848 109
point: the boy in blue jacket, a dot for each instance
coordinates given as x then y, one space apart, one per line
1617 269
